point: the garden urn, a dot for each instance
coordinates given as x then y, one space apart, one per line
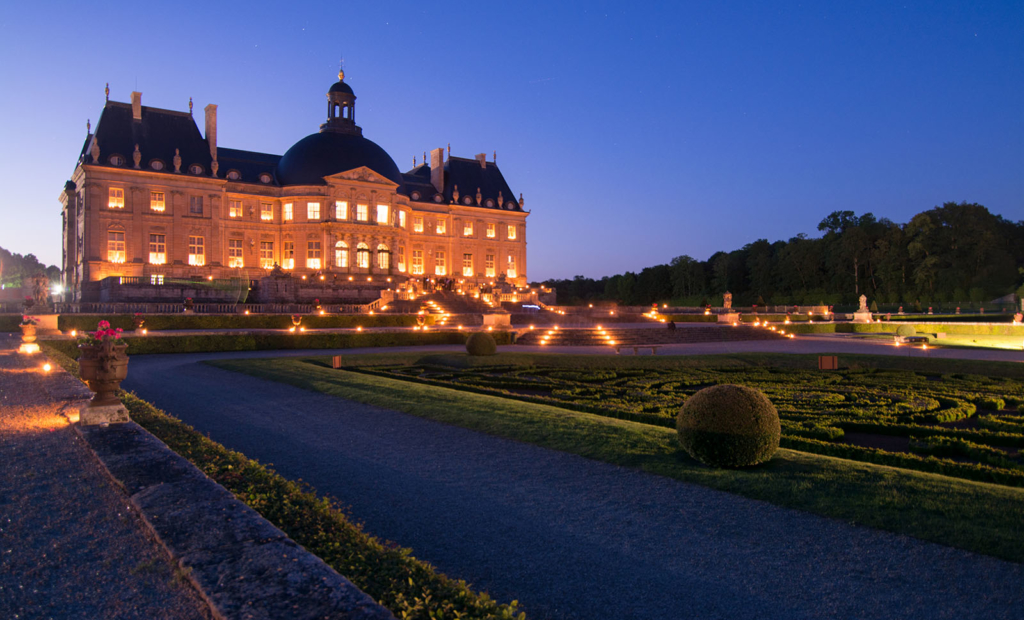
103 367
28 333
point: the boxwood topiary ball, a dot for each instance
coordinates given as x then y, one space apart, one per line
481 343
906 331
729 426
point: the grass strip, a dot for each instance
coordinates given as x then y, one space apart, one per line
969 515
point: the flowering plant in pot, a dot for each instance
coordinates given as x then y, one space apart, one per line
138 321
28 328
188 304
29 302
103 363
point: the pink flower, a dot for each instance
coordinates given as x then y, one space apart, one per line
104 325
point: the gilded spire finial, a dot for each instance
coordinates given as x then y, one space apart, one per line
413 161
106 91
88 125
495 156
449 149
190 105
341 69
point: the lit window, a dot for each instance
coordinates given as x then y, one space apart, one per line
489 265
267 211
467 229
511 231
115 247
235 253
417 224
157 250
341 255
313 252
116 200
156 279
234 208
417 262
196 252
362 212
195 205
401 219
490 231
383 257
441 226
313 211
511 270
363 256
340 210
467 265
156 201
401 259
382 215
439 266
288 257
267 254
288 211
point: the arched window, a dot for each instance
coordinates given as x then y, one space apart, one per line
363 256
341 255
383 257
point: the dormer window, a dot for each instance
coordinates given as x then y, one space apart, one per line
195 169
415 196
156 164
265 178
234 175
116 160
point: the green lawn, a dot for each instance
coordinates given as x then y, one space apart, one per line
976 516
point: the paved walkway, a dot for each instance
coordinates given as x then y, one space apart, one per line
569 537
69 545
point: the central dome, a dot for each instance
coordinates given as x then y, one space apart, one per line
323 154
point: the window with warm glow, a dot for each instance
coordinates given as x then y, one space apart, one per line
439 267
313 211
157 279
157 249
116 200
341 255
510 271
340 210
401 219
362 212
156 201
382 214
467 229
383 257
363 256
490 231
489 265
417 224
313 253
441 226
511 231
467 265
417 262
195 205
235 258
401 259
288 215
288 255
267 211
115 247
196 251
267 254
234 208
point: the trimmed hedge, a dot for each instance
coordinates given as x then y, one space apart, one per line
10 322
906 331
959 329
88 322
811 328
729 426
481 343
691 318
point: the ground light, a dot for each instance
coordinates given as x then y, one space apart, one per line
247 312
359 329
144 331
47 367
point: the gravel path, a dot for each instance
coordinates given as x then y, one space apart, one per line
69 545
569 537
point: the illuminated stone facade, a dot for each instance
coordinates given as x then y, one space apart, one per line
152 201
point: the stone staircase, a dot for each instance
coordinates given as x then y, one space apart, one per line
607 335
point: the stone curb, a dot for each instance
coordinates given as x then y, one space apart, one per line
241 564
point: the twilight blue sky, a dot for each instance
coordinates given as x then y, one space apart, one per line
636 131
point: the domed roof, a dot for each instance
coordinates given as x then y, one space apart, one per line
340 87
323 154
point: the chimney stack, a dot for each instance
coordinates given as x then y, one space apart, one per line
136 105
211 129
437 169
482 159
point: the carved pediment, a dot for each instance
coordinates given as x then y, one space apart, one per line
363 174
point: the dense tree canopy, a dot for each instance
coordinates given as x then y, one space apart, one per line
15 267
956 253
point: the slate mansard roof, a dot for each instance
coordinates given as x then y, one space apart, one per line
467 175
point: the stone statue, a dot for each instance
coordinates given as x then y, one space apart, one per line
455 193
177 161
863 304
40 290
137 156
479 197
94 150
727 300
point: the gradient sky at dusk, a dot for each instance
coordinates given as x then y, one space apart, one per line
636 132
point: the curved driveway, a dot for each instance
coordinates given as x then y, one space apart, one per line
569 537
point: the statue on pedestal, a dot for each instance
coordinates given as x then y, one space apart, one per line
727 300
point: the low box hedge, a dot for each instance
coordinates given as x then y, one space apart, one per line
84 322
691 318
959 329
811 328
10 322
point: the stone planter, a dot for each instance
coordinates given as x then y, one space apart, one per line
28 333
103 367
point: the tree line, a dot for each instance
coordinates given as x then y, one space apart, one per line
15 269
956 253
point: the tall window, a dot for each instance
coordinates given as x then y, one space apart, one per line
467 265
267 211
288 255
115 247
313 253
489 265
235 253
490 231
341 255
417 262
195 205
401 258
288 215
382 215
363 256
383 257
234 208
157 279
417 224
439 266
313 211
510 271
196 252
511 231
441 226
156 201
116 200
340 210
401 219
467 229
267 254
362 212
157 250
